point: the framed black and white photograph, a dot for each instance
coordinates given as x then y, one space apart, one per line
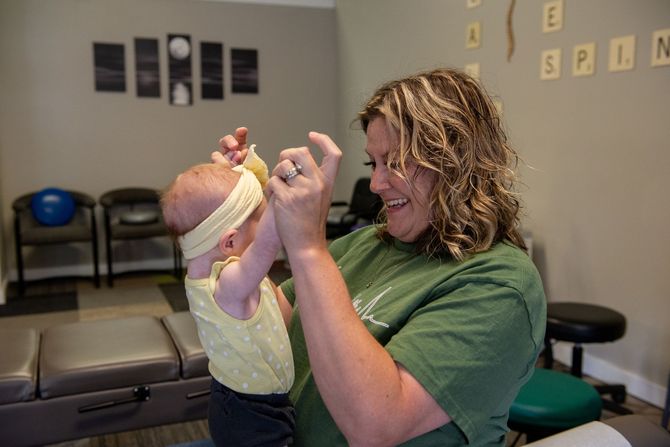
179 55
245 70
147 68
110 67
211 70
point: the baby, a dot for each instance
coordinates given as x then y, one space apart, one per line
227 233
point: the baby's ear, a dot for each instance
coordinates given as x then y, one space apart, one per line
227 242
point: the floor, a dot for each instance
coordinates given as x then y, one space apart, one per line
61 301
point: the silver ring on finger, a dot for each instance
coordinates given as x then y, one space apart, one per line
293 172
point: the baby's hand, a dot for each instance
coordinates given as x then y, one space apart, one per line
218 157
234 147
230 158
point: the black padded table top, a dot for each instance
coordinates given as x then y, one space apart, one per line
584 323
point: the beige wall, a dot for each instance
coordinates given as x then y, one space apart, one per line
55 130
596 197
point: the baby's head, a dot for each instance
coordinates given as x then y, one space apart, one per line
200 191
195 194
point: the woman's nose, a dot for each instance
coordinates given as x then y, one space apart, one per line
378 181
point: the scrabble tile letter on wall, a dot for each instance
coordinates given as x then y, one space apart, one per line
622 53
552 16
584 59
660 48
473 39
550 65
472 69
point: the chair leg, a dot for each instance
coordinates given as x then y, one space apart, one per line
108 248
110 273
615 407
19 258
179 263
548 354
577 355
19 269
176 260
96 267
618 392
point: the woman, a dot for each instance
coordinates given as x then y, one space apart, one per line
420 330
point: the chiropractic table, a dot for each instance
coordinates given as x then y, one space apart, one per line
85 379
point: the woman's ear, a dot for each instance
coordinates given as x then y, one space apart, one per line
227 242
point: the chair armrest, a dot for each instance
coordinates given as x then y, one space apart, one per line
129 196
106 200
22 203
82 199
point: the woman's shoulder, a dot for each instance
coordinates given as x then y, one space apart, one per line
503 264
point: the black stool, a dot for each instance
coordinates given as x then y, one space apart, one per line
585 323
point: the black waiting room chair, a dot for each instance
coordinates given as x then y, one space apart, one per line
29 232
133 213
362 209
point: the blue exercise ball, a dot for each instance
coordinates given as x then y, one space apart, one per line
53 207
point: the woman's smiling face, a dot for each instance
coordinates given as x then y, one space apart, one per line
406 200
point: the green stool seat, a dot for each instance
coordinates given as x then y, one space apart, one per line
551 402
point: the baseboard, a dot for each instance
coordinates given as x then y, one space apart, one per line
608 372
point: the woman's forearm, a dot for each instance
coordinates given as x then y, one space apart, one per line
365 391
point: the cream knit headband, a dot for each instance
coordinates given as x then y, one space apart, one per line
238 206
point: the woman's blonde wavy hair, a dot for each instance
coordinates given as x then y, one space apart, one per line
447 124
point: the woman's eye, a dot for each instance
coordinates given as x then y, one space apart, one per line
370 163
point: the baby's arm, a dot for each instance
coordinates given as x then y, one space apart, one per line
284 306
237 285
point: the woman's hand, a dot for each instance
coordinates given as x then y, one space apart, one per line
233 148
302 202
